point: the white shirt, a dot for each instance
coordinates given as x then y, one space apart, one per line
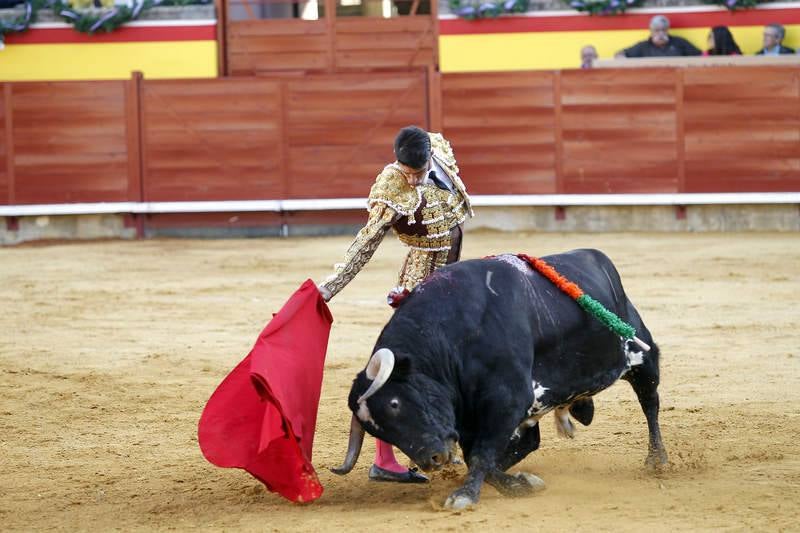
441 174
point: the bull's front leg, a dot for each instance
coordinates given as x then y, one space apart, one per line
485 461
470 493
489 450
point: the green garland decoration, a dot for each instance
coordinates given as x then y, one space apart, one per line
478 9
87 21
603 7
733 5
92 21
586 302
609 319
24 21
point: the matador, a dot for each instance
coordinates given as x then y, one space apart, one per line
422 198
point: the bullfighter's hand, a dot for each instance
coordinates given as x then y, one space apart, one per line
324 292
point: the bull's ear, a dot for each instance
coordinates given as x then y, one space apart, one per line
402 367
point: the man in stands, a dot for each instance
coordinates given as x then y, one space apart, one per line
660 43
588 56
773 41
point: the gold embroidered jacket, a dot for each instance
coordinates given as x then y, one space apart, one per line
422 217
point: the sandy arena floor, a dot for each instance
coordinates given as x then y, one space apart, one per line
109 350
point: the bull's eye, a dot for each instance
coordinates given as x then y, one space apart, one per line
394 403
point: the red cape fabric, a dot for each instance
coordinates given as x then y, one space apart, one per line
262 416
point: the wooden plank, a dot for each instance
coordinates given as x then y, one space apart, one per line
380 40
221 7
620 117
736 78
254 64
747 90
542 80
294 27
680 129
434 90
384 58
278 43
413 24
777 110
7 195
558 165
133 97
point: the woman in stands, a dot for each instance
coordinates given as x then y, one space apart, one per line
721 43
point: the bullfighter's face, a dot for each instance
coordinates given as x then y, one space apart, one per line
410 411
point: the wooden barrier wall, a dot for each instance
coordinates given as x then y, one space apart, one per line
741 129
240 138
323 136
653 130
256 47
5 143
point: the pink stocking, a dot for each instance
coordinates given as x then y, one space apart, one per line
384 457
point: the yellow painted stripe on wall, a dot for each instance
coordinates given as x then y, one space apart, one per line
560 50
79 61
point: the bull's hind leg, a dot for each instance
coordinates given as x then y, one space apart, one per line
644 379
523 442
519 484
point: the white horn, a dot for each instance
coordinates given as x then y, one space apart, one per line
379 369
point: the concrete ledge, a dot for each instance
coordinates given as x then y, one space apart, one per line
623 218
22 229
639 218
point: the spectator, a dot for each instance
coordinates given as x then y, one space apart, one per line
773 39
721 43
660 43
588 56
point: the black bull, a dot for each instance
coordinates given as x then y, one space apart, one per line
481 350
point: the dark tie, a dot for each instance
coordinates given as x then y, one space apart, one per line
437 180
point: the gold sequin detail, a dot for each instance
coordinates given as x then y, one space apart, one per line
391 198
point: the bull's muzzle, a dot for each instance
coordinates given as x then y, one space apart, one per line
437 459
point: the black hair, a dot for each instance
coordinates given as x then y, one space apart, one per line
724 43
412 146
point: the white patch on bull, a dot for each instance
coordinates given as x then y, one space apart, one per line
537 406
514 261
633 357
564 425
489 282
364 415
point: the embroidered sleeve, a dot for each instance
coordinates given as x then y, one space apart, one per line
381 218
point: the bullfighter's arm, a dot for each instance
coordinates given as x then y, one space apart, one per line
381 218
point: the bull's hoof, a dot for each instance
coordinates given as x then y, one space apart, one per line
460 500
516 485
656 459
535 483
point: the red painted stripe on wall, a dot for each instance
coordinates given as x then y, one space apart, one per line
753 17
121 35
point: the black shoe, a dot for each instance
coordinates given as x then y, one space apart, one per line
377 473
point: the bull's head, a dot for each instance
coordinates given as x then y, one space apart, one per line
402 407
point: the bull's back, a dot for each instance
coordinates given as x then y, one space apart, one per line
575 353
